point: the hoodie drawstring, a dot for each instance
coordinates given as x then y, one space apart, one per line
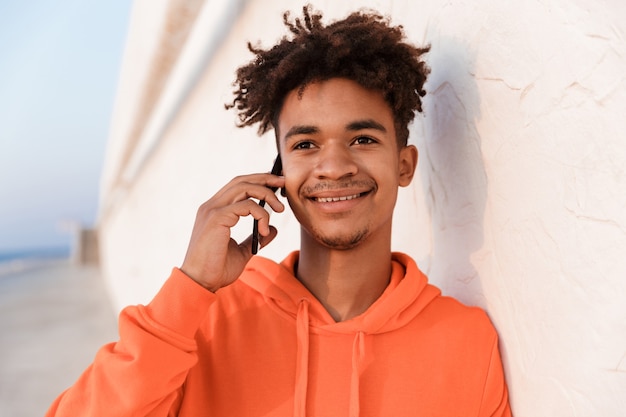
302 364
358 350
302 358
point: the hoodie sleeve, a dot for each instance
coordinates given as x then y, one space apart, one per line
143 373
495 401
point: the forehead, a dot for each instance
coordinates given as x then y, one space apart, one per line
332 104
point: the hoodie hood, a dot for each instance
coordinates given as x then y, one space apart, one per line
407 294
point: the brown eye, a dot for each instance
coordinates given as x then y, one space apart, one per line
303 145
364 140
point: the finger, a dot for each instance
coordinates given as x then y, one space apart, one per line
257 187
229 216
246 245
273 201
265 240
264 180
247 193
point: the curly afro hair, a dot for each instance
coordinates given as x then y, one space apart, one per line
362 47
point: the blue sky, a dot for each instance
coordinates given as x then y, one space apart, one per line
59 67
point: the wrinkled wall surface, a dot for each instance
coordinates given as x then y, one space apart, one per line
519 206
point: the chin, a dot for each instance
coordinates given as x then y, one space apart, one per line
343 242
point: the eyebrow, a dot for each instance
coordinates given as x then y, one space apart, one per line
301 130
352 126
366 124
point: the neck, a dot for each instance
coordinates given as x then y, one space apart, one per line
346 282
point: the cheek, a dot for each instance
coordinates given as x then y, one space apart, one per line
292 182
293 173
289 191
388 183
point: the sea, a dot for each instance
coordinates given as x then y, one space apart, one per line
13 261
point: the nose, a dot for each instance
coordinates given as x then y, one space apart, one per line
335 162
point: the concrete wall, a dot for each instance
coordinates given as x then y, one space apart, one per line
519 205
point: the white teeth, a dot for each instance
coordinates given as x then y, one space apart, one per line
335 199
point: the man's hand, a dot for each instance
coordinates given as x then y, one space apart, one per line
213 258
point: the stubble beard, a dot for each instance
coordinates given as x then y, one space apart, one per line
338 242
341 242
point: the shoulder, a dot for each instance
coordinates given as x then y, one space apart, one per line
456 320
260 280
452 309
440 312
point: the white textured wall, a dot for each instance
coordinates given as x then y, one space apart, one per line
519 205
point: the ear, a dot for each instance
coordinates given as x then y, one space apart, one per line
406 165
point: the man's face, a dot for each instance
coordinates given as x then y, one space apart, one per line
341 162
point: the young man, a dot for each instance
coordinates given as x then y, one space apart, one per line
344 327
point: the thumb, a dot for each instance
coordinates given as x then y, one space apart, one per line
246 245
266 240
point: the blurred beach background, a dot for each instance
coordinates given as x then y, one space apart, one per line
58 78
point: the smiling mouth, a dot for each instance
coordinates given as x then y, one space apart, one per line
336 199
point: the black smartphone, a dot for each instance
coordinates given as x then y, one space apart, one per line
277 169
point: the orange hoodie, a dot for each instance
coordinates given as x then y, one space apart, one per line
264 346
